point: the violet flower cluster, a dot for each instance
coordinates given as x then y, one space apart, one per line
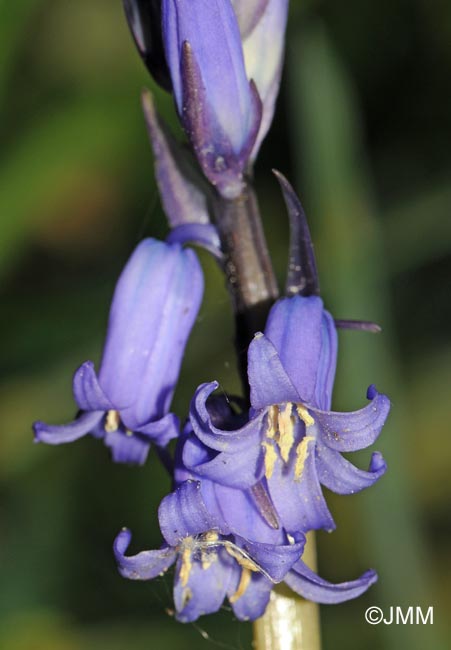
247 477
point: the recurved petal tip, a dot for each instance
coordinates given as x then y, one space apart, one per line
308 584
143 566
60 434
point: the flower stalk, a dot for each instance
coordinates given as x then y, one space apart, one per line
249 273
290 622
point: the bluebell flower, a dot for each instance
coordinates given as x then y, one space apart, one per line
292 442
224 548
127 403
219 107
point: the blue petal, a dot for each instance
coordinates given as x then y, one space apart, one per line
211 28
239 440
155 304
60 434
275 560
161 431
205 589
200 234
220 109
341 476
183 513
252 604
127 447
300 503
355 430
268 380
309 585
305 338
143 566
243 517
237 470
88 393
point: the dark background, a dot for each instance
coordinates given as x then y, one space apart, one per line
362 130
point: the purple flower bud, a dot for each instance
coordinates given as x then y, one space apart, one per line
154 307
219 108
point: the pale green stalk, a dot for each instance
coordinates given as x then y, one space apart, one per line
290 622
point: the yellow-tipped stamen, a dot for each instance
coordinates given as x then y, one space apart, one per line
245 580
270 458
286 432
112 421
301 456
305 415
187 565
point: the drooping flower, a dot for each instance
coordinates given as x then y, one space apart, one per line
219 107
127 403
224 547
292 441
212 562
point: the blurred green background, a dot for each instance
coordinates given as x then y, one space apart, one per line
362 130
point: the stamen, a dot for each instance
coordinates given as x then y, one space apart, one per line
243 559
286 432
186 567
270 458
273 414
301 456
208 555
245 580
238 554
112 421
305 415
186 597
